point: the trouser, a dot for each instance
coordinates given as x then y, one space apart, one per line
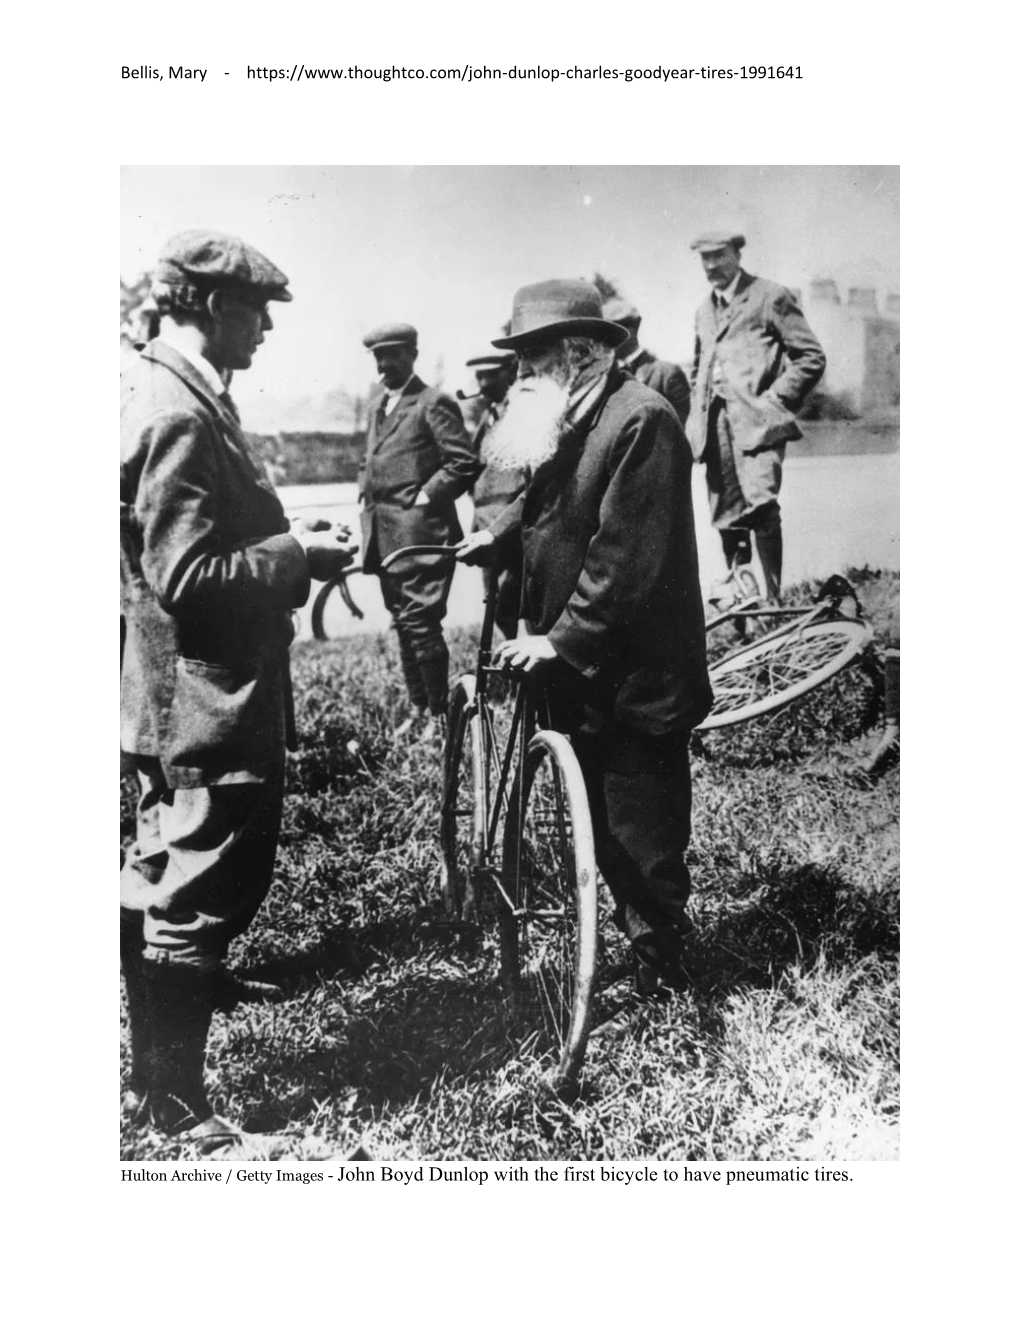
415 593
743 494
506 583
639 793
201 864
766 525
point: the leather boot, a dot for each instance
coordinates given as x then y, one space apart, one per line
435 672
180 1004
131 964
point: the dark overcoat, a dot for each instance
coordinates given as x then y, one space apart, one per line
768 359
665 378
420 445
209 575
611 564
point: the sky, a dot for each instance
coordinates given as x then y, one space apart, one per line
444 247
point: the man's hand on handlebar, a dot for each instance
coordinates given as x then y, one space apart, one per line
477 548
525 653
324 546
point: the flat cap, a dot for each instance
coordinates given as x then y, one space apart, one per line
390 335
491 360
205 254
718 238
621 311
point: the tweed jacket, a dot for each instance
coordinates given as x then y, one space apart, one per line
420 445
611 563
666 379
768 360
209 575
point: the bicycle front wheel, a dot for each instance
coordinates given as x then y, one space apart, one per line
464 807
778 669
548 919
334 607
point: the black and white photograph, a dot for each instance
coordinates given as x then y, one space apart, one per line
509 664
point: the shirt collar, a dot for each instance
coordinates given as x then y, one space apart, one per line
203 366
632 357
725 296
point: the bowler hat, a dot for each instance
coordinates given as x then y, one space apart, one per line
555 309
622 312
490 360
716 239
205 254
391 335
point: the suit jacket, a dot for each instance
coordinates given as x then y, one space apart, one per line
495 488
768 358
611 564
666 379
209 575
420 445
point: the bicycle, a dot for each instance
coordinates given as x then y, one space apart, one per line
326 620
517 841
785 664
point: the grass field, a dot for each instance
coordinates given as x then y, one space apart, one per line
785 1046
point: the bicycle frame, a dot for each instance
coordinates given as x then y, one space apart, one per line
827 604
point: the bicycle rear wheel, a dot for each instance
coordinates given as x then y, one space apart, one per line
548 923
334 607
464 808
778 669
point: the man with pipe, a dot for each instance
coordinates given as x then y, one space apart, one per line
497 487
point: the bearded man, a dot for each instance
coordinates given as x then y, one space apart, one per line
497 487
611 597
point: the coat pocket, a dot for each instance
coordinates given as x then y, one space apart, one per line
225 722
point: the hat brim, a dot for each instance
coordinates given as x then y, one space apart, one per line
391 343
589 327
493 360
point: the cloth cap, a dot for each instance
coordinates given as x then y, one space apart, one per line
622 312
555 309
490 360
716 239
390 335
204 254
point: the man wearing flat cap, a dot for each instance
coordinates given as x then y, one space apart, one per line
756 360
666 378
210 572
497 488
418 459
611 596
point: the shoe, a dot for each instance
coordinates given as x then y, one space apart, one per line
216 1139
658 965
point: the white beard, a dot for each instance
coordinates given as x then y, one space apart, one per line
528 433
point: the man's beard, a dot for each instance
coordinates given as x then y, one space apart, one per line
528 433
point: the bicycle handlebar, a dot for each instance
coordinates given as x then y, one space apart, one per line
408 550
